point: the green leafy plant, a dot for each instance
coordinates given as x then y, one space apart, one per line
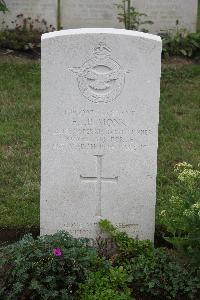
50 267
3 6
180 44
126 247
152 272
160 276
182 216
106 284
59 266
131 18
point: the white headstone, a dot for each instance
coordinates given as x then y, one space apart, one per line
100 112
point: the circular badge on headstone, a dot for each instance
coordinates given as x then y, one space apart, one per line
100 79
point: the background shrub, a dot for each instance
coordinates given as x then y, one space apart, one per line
182 216
26 34
19 39
180 44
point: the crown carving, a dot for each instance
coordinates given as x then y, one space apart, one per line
101 50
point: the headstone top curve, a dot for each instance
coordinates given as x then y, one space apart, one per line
101 30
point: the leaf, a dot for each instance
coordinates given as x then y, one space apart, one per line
195 43
184 52
3 6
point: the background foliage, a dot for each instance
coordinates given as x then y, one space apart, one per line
130 17
3 7
182 215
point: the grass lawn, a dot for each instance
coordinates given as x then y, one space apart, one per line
20 144
179 128
179 136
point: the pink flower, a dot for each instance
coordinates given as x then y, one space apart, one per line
57 252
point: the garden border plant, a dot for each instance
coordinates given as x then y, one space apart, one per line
26 35
61 267
182 216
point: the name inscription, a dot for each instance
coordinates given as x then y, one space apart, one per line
88 129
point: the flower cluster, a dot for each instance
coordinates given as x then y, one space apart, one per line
187 175
193 211
57 252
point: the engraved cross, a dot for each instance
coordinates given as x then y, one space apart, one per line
99 179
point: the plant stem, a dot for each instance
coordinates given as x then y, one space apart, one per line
129 14
58 14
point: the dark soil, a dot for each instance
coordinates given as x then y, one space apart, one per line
31 54
9 235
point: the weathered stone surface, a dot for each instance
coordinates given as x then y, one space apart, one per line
90 13
169 15
104 13
42 14
100 112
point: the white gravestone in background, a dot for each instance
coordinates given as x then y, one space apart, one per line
100 113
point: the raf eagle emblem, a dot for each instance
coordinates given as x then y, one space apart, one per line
100 79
